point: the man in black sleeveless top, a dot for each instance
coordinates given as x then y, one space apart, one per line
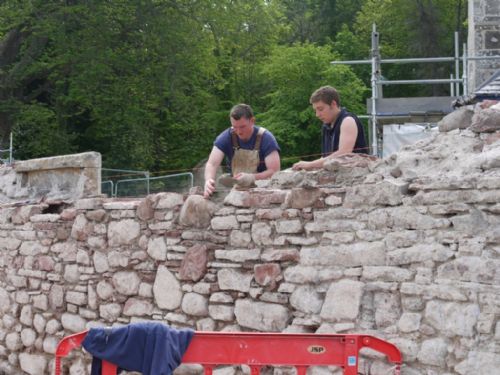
342 132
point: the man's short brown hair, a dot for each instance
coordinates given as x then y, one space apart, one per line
325 94
241 110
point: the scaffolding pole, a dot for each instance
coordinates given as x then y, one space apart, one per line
457 66
465 71
11 149
374 90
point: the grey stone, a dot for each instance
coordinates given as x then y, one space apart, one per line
387 309
76 298
33 364
52 326
110 311
126 283
26 316
71 273
137 307
166 289
409 322
239 238
194 304
168 200
104 290
342 300
28 337
4 301
348 255
409 348
73 322
387 273
475 269
237 255
197 212
157 249
486 120
389 192
261 234
261 316
288 226
123 232
13 341
206 324
305 298
50 344
9 243
433 352
221 312
459 119
224 223
100 261
452 319
39 323
234 280
480 362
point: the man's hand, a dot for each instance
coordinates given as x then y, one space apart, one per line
244 180
303 165
209 188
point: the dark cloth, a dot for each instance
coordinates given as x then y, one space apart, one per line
268 144
330 135
149 348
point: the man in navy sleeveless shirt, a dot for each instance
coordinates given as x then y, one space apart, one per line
342 132
252 152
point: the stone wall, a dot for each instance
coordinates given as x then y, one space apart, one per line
406 249
66 177
483 40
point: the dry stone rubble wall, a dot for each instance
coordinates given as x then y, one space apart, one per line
406 248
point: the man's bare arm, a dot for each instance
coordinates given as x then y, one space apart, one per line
348 135
273 165
214 160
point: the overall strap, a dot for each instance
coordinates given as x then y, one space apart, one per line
259 138
234 140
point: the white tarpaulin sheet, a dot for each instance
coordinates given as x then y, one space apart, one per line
396 136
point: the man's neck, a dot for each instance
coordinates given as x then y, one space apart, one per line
335 117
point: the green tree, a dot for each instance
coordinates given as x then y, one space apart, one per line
318 20
413 28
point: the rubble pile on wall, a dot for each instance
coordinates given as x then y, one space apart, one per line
406 249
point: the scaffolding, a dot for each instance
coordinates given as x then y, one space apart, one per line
381 110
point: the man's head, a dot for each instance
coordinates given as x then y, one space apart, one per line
326 103
242 121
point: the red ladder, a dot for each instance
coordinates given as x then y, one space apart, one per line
257 349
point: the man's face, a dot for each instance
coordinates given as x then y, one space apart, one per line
325 112
243 127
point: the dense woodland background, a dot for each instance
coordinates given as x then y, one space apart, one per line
149 83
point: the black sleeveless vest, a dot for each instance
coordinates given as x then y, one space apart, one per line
330 136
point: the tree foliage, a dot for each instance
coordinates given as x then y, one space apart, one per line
149 83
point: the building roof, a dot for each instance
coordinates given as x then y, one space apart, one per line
489 89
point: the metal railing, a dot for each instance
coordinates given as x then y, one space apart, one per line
107 187
9 150
113 175
180 182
